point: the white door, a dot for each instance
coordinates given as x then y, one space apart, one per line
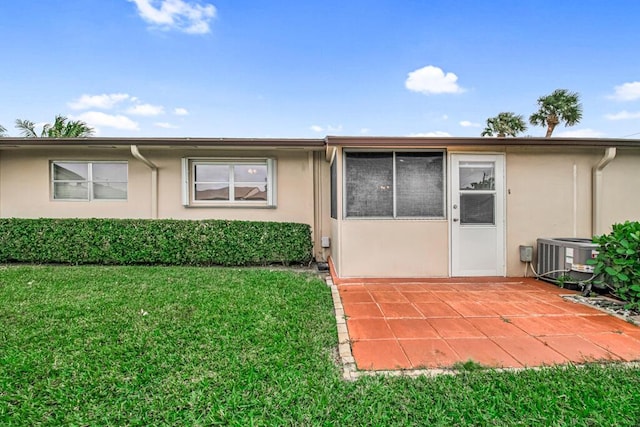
477 215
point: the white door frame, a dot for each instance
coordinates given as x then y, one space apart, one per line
455 266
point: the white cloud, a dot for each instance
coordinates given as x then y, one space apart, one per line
468 124
623 115
180 112
437 133
626 92
104 101
365 131
186 16
146 110
581 133
165 125
432 80
329 128
100 119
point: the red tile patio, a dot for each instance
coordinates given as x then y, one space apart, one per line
497 322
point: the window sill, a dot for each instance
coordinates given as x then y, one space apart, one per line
229 206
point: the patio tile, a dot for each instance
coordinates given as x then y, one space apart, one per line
393 309
355 297
381 287
529 351
379 354
539 326
352 287
421 296
455 328
621 345
482 351
448 296
608 323
472 309
508 309
436 287
496 327
412 328
429 353
363 329
362 309
576 324
539 308
575 308
436 309
388 296
578 349
438 322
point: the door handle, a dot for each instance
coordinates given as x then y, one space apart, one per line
455 220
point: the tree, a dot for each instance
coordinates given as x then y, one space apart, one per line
3 131
561 106
505 124
61 128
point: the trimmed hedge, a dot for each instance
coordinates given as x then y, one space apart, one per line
148 241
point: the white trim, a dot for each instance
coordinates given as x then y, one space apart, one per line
395 217
89 181
188 182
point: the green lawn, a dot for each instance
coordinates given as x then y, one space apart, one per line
206 346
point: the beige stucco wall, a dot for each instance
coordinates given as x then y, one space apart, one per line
393 248
25 186
549 194
621 182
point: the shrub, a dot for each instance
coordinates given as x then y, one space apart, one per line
146 241
617 265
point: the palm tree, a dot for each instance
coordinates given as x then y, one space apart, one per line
3 131
61 128
505 124
560 106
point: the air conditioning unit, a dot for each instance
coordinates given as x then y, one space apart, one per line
565 258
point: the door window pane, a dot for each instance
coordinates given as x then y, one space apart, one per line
477 176
477 208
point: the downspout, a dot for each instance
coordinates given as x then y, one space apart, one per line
154 179
596 188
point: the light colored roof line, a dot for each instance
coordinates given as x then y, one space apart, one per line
361 141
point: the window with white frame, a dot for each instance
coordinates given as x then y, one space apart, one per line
214 182
394 184
86 180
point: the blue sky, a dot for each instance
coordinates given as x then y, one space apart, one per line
259 68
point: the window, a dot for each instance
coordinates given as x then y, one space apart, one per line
229 182
394 184
89 180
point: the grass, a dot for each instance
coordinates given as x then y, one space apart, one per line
206 346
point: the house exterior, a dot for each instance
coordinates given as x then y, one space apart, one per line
377 206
